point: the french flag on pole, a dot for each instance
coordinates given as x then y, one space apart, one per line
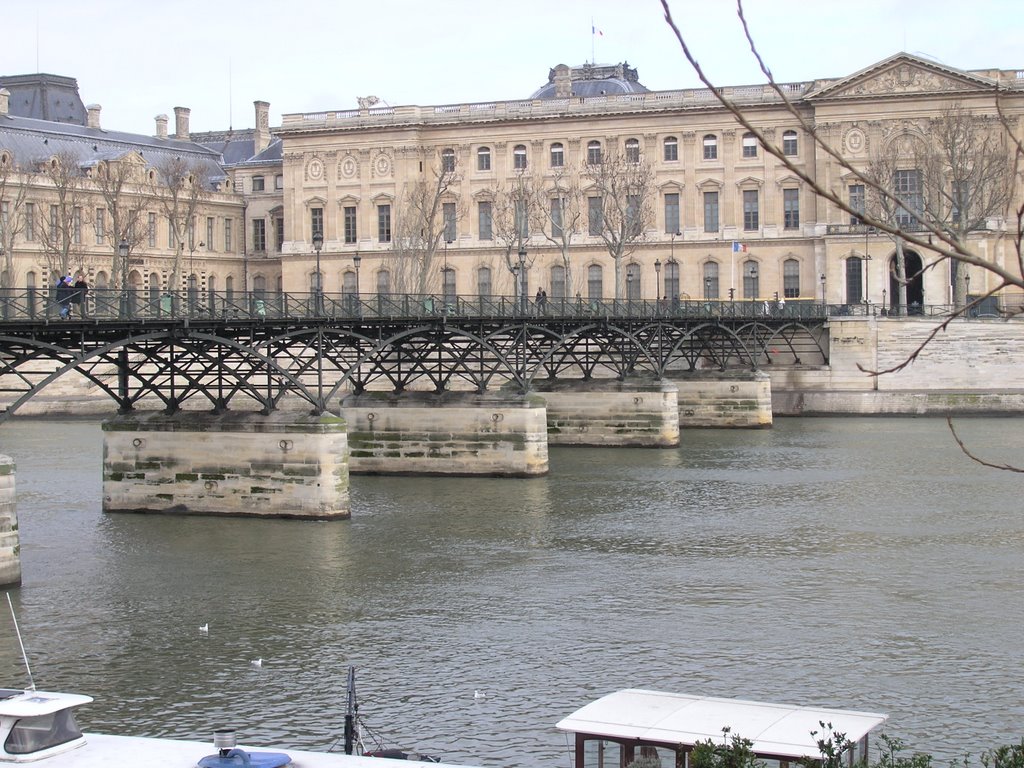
739 247
595 31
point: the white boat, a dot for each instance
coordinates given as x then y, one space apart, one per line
39 726
631 724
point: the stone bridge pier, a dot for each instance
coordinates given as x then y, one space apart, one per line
10 548
245 464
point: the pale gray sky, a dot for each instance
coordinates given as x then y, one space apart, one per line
138 58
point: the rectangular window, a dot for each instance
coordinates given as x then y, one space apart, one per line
228 247
349 216
30 221
151 230
76 225
485 220
556 217
710 147
258 185
749 146
791 278
101 226
856 201
671 149
483 159
448 217
259 235
710 211
595 217
908 188
671 212
791 208
316 221
209 233
384 223
751 217
192 233
279 181
789 145
279 233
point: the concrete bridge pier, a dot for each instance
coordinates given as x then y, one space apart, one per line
609 412
453 433
10 547
243 464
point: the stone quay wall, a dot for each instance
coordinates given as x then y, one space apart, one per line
10 546
244 464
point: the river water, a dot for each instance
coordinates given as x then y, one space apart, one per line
856 563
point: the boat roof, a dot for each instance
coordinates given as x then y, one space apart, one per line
22 703
777 730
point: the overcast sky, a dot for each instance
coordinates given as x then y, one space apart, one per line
138 58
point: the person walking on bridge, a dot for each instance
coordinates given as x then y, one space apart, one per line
78 295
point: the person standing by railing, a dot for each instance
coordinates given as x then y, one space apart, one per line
78 297
64 291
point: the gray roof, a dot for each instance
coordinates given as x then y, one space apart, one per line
595 80
45 97
30 141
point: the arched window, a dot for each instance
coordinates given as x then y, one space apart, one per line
154 287
483 282
259 286
791 278
594 152
710 147
448 160
595 282
557 281
348 283
751 280
710 280
671 288
229 287
632 150
789 145
102 281
383 282
854 280
557 155
632 282
519 157
671 145
483 159
749 145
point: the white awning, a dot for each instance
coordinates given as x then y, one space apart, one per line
775 729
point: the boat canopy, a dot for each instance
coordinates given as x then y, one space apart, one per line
653 717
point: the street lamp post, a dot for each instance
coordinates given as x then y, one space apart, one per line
122 253
657 279
629 287
967 290
822 278
318 244
753 289
707 289
522 278
356 261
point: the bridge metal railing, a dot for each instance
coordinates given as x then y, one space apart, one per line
98 304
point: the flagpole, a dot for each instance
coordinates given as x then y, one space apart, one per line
593 60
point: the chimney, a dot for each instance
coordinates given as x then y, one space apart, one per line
181 122
262 125
161 126
563 82
92 119
5 100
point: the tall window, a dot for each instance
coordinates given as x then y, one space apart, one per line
101 225
209 232
151 230
348 283
751 217
522 221
594 152
316 221
671 212
751 280
172 233
710 280
383 282
907 185
749 145
557 282
519 157
447 160
76 225
595 282
259 234
448 217
228 245
485 216
789 145
791 278
279 233
30 221
483 159
384 223
854 280
710 147
671 288
791 208
557 155
349 216
856 201
710 211
632 151
671 145
556 217
483 282
448 285
595 218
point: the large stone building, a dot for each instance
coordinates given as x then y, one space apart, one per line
720 218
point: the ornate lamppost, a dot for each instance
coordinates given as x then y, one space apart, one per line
753 290
356 261
122 254
318 244
822 278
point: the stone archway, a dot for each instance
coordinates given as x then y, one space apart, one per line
915 285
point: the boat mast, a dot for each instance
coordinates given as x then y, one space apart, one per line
350 713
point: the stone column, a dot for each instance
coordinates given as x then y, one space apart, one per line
10 546
609 412
455 433
244 464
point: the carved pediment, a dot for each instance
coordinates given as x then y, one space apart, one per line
902 75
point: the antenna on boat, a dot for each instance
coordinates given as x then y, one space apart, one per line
17 631
351 712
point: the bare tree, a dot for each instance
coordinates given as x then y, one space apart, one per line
420 227
559 214
14 184
118 184
625 187
61 232
511 219
181 186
